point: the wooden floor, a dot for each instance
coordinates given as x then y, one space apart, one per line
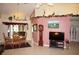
73 50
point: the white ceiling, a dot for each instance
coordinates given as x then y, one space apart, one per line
26 8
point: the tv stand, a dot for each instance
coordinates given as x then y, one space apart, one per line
57 44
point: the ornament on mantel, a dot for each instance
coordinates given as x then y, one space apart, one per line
10 18
53 13
44 13
14 16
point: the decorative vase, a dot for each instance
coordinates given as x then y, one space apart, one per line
10 18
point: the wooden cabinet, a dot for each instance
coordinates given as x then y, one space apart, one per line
16 26
17 32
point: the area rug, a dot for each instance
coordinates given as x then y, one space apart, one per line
16 46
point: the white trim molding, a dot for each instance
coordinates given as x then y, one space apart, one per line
46 45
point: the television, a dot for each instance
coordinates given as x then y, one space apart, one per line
58 36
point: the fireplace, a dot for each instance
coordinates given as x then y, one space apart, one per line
56 39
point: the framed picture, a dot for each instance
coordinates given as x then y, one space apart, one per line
35 27
53 24
41 28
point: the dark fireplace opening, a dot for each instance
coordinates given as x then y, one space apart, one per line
56 39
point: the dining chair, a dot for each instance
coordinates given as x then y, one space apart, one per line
16 40
7 41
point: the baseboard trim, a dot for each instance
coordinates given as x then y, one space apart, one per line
46 45
43 44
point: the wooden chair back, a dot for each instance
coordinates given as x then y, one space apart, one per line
7 41
16 38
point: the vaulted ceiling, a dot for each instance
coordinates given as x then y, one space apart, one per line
25 8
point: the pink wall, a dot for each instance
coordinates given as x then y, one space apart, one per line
35 33
64 26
